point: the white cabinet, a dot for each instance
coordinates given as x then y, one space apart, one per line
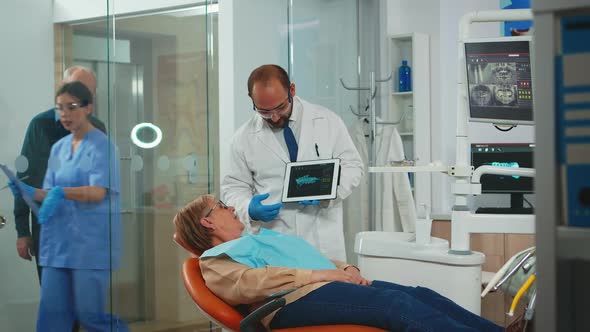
412 107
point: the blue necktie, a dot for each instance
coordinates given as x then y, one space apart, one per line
291 142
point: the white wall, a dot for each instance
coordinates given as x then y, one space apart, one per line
424 16
251 33
26 88
440 20
260 37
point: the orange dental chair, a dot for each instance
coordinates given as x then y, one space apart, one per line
232 318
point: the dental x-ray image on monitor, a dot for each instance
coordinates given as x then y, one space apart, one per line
499 80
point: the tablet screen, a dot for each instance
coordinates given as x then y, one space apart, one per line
311 180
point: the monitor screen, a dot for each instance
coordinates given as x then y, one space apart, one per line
504 155
499 80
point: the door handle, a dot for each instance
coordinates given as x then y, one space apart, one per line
2 222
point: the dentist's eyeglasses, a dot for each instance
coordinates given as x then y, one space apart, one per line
279 110
69 107
218 204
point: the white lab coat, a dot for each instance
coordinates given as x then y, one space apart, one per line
393 187
258 166
395 207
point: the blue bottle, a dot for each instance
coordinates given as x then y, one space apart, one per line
405 77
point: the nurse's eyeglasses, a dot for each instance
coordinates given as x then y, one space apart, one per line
69 107
279 110
218 204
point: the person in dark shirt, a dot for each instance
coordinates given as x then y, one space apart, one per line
43 131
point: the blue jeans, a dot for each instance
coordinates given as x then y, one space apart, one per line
68 295
383 305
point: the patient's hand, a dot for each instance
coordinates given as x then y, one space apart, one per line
357 275
351 276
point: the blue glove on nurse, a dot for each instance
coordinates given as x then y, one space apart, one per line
52 200
259 211
29 191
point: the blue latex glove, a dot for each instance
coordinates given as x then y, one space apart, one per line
52 200
29 191
258 211
308 202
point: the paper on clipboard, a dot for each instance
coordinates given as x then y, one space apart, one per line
28 199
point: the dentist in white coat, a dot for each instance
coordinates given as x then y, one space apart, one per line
286 128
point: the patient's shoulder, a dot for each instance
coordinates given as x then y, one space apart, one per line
220 263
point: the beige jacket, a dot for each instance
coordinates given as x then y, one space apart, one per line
237 283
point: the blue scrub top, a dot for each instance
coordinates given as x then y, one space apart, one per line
83 235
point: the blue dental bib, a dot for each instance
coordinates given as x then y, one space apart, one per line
269 248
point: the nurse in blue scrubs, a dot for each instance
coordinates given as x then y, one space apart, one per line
80 233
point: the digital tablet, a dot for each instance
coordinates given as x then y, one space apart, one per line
311 180
29 200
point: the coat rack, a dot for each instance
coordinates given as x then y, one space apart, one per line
372 89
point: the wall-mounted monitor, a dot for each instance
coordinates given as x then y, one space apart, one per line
499 80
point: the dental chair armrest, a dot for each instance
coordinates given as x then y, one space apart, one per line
251 323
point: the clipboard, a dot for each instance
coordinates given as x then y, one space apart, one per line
29 200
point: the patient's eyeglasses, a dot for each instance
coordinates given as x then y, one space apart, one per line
218 204
69 107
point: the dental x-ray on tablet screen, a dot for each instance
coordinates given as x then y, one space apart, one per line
311 180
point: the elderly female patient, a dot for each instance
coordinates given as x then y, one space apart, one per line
245 269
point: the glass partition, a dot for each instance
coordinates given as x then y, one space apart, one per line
161 91
156 98
157 74
318 43
332 41
324 42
